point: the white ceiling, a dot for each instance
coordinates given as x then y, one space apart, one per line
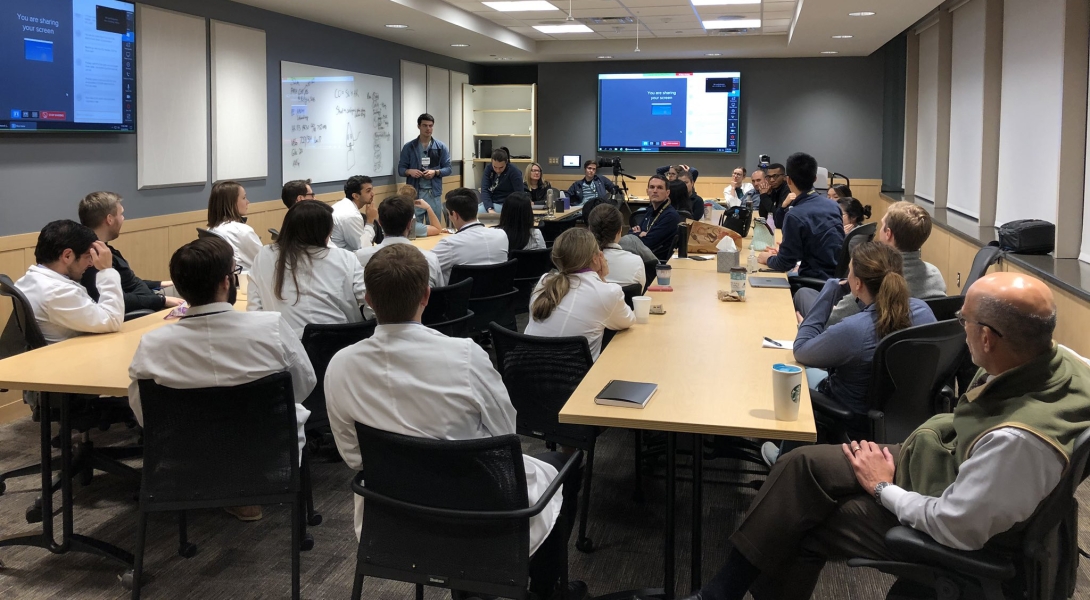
667 28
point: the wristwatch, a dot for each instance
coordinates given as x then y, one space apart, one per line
878 491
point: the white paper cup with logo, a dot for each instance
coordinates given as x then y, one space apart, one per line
641 305
786 391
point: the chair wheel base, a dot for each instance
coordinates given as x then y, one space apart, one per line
308 543
34 514
3 487
314 520
126 580
187 550
585 545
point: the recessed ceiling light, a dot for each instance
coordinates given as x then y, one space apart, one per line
459 45
396 26
842 37
580 28
538 5
605 57
865 13
723 2
732 24
713 54
829 52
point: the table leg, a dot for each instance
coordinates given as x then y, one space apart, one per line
66 474
43 539
671 489
698 512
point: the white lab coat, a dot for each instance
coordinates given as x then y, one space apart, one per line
588 309
537 241
412 380
350 230
734 199
330 288
625 268
435 273
474 244
217 346
243 239
62 307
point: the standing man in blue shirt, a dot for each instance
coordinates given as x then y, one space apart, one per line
424 163
813 230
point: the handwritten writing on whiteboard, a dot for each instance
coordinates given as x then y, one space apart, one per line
328 117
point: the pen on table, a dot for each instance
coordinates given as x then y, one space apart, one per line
773 342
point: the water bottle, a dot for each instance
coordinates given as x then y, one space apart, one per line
751 263
551 196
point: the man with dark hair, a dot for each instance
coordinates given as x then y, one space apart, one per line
61 305
591 187
104 213
499 181
214 345
350 230
447 390
778 190
658 228
1017 423
395 215
473 244
813 230
424 162
695 201
296 190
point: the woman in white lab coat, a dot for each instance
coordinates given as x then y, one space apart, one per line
227 207
304 279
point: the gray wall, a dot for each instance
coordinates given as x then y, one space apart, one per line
44 176
831 108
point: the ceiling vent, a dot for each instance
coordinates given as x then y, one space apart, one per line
607 20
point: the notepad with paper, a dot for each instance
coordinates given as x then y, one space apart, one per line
631 394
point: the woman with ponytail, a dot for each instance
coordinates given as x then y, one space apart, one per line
839 357
575 299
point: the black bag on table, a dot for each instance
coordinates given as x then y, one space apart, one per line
1028 236
738 218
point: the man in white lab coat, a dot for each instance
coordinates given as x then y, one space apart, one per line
396 214
350 230
61 305
474 244
215 345
446 389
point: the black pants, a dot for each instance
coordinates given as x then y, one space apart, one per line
546 563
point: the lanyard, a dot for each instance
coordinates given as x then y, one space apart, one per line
204 314
661 210
471 226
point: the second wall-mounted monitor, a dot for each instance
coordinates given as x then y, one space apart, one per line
668 112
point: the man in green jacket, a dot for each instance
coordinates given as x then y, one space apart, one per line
951 477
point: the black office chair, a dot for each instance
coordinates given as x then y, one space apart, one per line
532 264
637 216
551 229
944 307
450 514
1043 567
448 309
205 233
630 291
843 259
909 377
219 447
275 234
650 270
540 374
136 314
492 295
985 258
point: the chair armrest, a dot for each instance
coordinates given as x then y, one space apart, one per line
484 515
948 398
136 314
916 546
806 282
830 407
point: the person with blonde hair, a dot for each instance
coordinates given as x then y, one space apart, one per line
575 299
534 184
227 207
422 208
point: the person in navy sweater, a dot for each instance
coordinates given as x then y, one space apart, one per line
813 230
658 228
500 180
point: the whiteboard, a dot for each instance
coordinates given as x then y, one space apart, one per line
439 103
335 124
240 103
414 98
171 99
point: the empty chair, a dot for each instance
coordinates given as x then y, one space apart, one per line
649 268
985 258
492 294
540 374
551 229
532 264
198 455
448 309
451 514
945 307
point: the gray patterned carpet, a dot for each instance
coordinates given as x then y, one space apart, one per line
251 560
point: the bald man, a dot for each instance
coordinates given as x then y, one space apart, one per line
1016 423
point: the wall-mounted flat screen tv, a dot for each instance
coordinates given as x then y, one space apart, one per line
68 65
668 112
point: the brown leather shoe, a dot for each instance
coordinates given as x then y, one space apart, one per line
244 513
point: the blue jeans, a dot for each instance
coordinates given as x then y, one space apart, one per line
496 206
435 200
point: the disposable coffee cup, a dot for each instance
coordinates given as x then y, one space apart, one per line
663 272
786 391
641 305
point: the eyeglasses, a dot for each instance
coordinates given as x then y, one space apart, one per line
962 321
310 195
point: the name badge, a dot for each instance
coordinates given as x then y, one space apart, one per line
425 161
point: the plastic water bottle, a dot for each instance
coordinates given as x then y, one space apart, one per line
751 262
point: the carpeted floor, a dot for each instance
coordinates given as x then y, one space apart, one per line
252 560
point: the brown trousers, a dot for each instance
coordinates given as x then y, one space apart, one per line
810 509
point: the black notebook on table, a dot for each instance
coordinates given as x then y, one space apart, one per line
631 394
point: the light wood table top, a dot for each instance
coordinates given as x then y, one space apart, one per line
706 357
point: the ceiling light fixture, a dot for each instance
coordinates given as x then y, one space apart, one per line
563 28
531 5
459 45
722 2
842 37
732 24
637 34
865 13
713 54
397 26
605 57
829 52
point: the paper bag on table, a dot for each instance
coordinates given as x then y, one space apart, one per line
703 237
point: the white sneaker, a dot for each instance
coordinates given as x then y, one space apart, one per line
770 451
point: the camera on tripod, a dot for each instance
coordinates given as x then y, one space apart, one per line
615 162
